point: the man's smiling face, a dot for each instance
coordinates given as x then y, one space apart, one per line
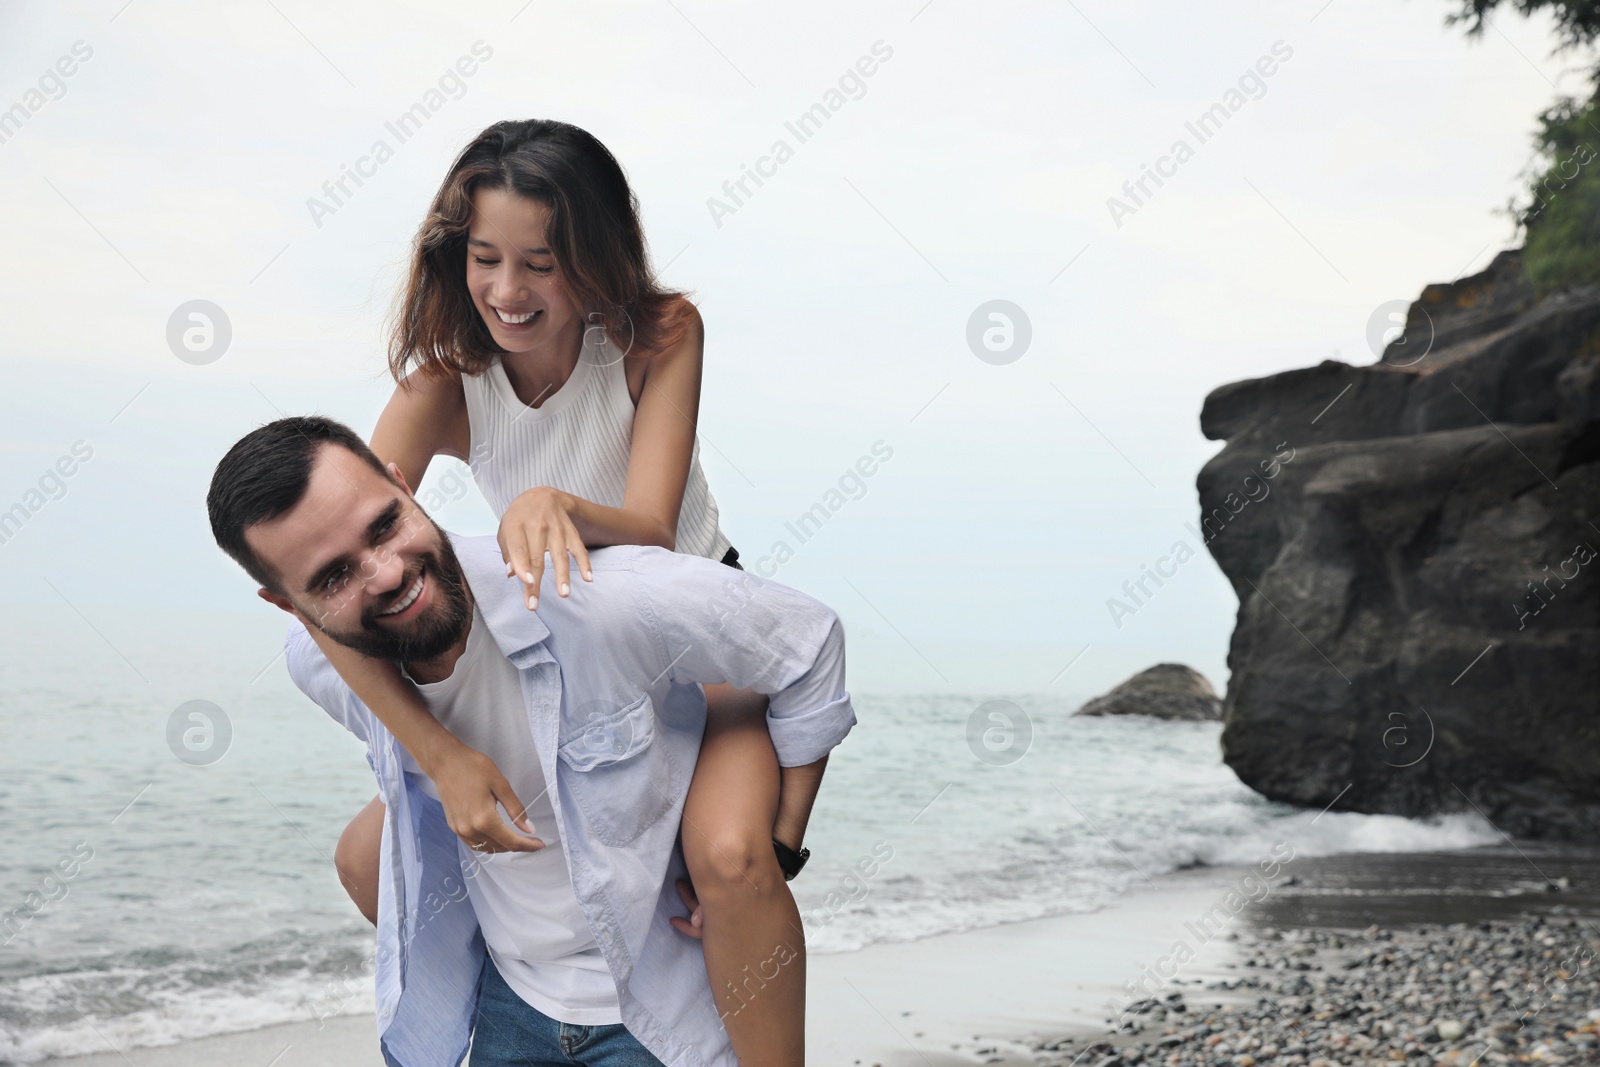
358 559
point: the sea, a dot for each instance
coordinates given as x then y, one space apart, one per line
168 877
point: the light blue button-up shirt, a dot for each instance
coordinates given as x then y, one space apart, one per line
611 681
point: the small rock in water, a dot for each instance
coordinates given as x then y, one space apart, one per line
1166 691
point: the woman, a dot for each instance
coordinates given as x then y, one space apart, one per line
533 342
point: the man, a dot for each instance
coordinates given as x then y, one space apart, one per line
562 955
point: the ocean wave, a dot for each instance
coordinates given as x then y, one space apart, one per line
113 1006
913 837
1097 807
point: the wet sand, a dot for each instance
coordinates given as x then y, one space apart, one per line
1488 955
1009 993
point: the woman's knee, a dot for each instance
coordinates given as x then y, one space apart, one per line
356 858
350 856
732 802
731 862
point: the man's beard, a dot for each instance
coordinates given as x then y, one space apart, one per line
434 632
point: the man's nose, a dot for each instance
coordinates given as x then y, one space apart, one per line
382 572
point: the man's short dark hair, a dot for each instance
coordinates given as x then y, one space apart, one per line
265 474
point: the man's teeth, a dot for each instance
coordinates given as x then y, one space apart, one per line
407 600
513 320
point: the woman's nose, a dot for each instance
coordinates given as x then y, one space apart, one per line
507 288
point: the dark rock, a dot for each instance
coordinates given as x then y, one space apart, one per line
1165 691
1413 545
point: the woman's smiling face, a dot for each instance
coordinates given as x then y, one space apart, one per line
513 276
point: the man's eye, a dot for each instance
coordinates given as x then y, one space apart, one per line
334 580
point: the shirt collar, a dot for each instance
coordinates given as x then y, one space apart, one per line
520 633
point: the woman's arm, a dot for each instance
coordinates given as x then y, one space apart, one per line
427 416
469 783
666 411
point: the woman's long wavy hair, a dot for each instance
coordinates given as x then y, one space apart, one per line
594 235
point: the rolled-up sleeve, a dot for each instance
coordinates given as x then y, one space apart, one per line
809 718
716 624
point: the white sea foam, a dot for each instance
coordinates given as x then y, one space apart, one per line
1336 832
173 1010
1094 808
170 935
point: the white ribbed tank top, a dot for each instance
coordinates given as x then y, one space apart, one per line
578 440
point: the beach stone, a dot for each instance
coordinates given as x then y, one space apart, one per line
1390 1008
1168 691
1394 529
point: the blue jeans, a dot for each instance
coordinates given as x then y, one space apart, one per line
509 1032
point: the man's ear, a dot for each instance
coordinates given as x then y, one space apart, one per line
283 603
277 600
400 479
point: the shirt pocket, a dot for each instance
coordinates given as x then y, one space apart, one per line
622 778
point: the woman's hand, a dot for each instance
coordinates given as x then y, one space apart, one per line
694 925
540 521
469 786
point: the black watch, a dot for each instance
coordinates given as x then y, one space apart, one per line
790 860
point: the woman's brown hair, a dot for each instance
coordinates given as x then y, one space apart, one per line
594 235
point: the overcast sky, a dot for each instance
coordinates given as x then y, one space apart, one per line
185 154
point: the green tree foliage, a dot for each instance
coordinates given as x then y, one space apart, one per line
1561 216
1561 220
1577 21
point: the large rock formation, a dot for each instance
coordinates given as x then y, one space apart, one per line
1166 691
1413 544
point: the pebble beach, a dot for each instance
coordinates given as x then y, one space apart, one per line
1510 975
1455 995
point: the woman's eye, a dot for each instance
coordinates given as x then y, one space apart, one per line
480 261
540 270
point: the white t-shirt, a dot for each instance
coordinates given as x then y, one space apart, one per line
524 901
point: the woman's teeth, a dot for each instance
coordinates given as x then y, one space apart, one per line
406 601
514 320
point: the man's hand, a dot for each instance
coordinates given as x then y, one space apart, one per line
469 787
692 925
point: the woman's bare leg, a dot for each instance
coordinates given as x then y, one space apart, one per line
754 943
356 858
